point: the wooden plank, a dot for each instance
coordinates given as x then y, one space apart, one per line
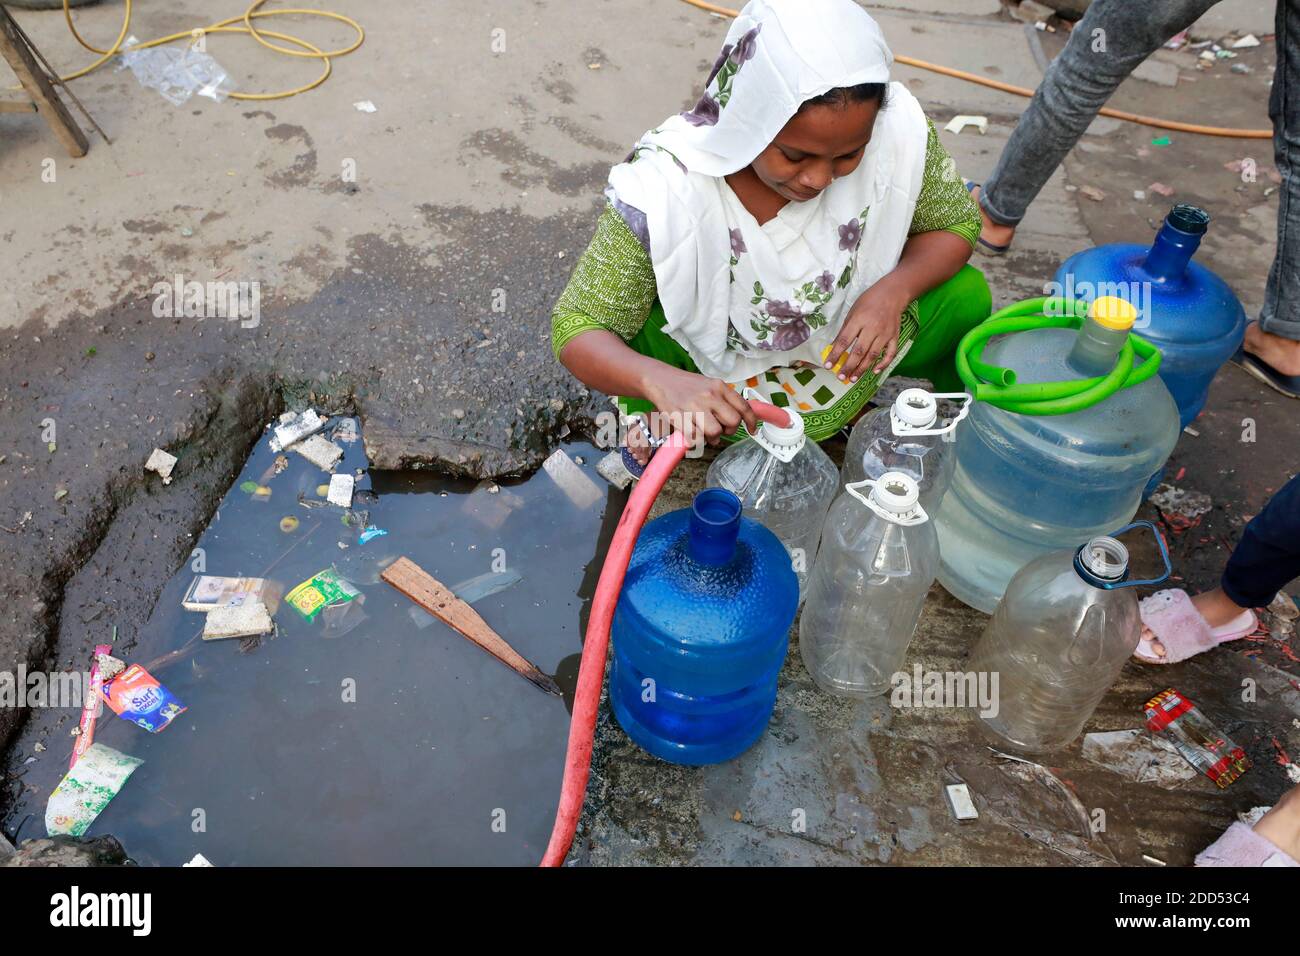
436 598
20 104
38 86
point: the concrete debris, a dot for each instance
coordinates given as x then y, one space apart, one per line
240 620
1138 756
321 452
612 469
1093 193
1249 40
959 123
573 481
161 464
294 428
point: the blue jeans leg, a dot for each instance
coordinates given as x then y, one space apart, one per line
1268 556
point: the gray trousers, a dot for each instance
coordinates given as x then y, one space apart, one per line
1080 81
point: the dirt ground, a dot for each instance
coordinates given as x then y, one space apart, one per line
408 259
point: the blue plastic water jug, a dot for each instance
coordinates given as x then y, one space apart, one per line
700 632
1185 310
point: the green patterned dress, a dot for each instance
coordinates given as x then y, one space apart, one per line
613 288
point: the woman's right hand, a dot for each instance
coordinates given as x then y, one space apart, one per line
704 409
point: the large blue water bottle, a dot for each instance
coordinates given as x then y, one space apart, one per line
700 632
1185 310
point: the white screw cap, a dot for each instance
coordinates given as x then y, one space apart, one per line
916 407
896 492
786 437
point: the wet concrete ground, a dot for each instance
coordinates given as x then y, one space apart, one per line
480 175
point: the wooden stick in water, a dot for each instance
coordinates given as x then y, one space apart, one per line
436 598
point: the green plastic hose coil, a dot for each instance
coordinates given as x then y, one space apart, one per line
997 385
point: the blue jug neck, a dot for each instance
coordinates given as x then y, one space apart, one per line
1172 250
714 527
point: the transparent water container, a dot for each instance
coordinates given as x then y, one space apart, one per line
1024 485
1058 640
878 559
907 437
784 482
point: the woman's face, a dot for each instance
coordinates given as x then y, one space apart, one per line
821 144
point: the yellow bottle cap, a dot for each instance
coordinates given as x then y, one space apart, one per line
1112 312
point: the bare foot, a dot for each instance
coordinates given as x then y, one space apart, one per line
1214 606
1281 825
1282 354
994 233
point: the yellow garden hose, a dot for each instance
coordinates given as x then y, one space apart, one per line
1022 91
237 24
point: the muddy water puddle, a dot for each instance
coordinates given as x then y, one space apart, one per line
379 736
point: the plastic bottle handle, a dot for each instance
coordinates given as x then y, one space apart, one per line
1116 585
909 520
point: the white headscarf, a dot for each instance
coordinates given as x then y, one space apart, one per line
742 298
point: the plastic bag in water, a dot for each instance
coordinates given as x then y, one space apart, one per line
177 73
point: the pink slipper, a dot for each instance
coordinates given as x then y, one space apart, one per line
1242 846
1173 618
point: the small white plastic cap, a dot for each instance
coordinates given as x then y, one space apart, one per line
786 437
1106 557
916 407
896 492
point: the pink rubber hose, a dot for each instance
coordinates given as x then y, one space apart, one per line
591 670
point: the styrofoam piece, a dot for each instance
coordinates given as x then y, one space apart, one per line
240 620
340 491
321 452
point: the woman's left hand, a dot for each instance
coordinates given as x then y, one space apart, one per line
869 337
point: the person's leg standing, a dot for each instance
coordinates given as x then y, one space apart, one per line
1111 40
1268 556
1275 340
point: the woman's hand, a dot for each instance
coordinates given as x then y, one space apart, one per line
869 337
704 409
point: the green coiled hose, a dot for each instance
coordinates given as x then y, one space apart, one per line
997 385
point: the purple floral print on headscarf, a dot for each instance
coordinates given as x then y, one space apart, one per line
706 112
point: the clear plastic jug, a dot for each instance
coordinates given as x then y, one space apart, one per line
878 559
784 482
1027 484
1058 640
907 437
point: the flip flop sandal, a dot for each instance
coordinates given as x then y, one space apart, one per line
1173 619
986 247
1288 385
1240 845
